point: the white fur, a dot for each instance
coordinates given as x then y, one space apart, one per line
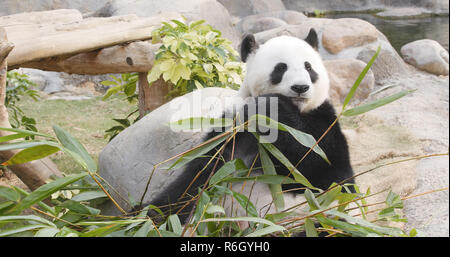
294 52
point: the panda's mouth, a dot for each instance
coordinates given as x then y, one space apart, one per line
300 98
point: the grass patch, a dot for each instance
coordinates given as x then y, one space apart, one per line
86 120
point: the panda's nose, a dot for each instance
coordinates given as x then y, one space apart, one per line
300 89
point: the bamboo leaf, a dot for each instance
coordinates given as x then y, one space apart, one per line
371 226
31 154
74 146
267 179
297 175
10 232
27 132
175 223
310 228
312 201
189 156
378 103
269 169
234 219
26 144
266 231
47 232
12 137
90 195
246 204
32 218
227 169
143 231
102 231
40 204
304 139
9 194
215 209
45 191
200 123
360 79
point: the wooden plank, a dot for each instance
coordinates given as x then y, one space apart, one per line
83 36
133 57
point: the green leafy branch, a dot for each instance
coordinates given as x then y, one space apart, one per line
194 56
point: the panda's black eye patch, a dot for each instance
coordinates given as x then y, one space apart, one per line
308 66
278 71
312 73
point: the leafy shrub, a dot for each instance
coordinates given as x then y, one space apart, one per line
17 86
194 56
126 84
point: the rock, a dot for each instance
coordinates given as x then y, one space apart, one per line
343 74
269 20
299 30
424 113
252 26
402 13
48 81
346 33
52 82
244 8
212 11
290 17
372 142
128 160
87 7
387 65
427 55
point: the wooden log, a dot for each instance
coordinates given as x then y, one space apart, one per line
60 16
5 49
151 97
133 57
36 173
83 36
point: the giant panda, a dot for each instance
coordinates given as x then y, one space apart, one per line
291 71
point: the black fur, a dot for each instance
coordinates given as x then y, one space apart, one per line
277 74
312 73
313 167
312 39
248 46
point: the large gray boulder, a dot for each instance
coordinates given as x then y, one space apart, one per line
343 73
244 8
269 20
427 55
210 10
8 7
128 160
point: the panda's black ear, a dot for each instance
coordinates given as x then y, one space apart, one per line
248 45
312 39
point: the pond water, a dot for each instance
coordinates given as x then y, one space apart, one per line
402 31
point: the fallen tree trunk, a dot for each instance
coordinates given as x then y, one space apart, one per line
39 42
36 173
133 57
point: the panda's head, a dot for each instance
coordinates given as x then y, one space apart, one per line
288 66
